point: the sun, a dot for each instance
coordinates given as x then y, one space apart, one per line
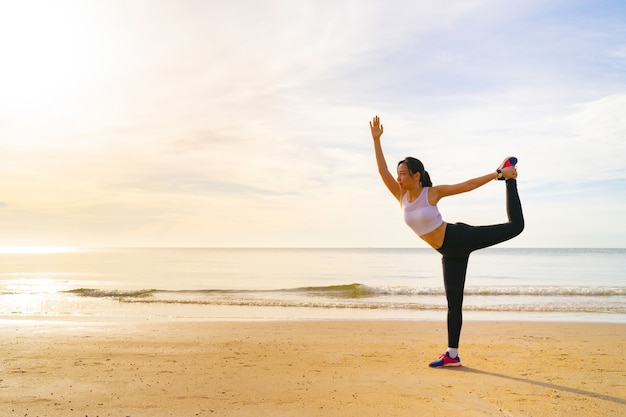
47 57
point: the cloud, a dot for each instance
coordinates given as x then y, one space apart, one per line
246 123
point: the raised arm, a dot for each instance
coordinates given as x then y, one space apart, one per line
388 179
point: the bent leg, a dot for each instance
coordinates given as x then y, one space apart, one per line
485 236
454 271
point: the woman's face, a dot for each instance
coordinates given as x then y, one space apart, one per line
405 179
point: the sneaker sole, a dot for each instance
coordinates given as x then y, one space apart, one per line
511 162
454 365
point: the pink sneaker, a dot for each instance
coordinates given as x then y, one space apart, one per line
445 360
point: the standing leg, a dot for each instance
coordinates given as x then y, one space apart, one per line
454 271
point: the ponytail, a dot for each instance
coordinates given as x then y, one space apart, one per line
425 179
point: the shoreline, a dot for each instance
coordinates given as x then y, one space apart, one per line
309 368
237 313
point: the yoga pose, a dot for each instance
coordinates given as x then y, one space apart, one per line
455 241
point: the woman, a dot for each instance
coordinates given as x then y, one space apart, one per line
455 241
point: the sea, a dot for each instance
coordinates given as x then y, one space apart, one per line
261 284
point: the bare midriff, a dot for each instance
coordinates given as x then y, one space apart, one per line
435 238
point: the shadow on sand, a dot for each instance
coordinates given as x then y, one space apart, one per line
545 385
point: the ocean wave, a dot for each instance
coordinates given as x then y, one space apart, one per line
611 300
359 296
510 291
361 291
108 293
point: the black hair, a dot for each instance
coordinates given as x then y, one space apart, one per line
415 165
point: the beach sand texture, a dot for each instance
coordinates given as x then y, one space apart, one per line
309 368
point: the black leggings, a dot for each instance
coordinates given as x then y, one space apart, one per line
462 239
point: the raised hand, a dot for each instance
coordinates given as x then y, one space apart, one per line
376 127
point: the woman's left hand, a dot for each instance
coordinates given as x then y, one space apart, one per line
376 127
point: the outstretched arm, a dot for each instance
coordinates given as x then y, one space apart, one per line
441 191
388 179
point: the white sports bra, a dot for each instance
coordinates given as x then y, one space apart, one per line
420 215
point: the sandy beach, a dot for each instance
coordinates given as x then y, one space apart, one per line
302 368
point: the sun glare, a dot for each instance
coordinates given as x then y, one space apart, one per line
47 63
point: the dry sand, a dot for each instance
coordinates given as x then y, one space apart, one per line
300 368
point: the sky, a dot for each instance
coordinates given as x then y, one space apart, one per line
244 123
